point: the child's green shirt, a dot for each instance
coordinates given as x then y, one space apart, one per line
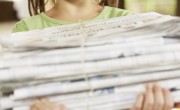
41 20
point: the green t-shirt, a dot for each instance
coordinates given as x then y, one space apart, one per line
41 20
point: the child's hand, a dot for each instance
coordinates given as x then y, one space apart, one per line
155 98
44 104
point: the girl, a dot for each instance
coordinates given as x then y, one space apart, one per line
70 11
65 12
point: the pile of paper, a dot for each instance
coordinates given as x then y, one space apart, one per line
101 65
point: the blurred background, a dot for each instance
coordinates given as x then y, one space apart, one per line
12 11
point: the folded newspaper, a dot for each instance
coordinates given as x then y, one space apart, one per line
103 64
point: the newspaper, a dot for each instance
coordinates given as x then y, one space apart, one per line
10 102
113 103
54 37
96 63
63 70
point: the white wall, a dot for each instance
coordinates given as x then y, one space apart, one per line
22 8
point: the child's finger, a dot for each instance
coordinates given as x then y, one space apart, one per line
139 103
169 103
44 100
149 98
46 104
158 97
35 104
32 107
42 104
58 107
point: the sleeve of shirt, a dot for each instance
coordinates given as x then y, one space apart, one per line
19 27
127 13
117 12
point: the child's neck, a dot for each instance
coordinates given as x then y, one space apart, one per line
74 10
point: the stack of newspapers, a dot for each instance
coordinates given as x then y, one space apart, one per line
101 65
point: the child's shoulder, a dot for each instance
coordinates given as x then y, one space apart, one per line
117 12
27 23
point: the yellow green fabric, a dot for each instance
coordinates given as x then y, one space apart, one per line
41 20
